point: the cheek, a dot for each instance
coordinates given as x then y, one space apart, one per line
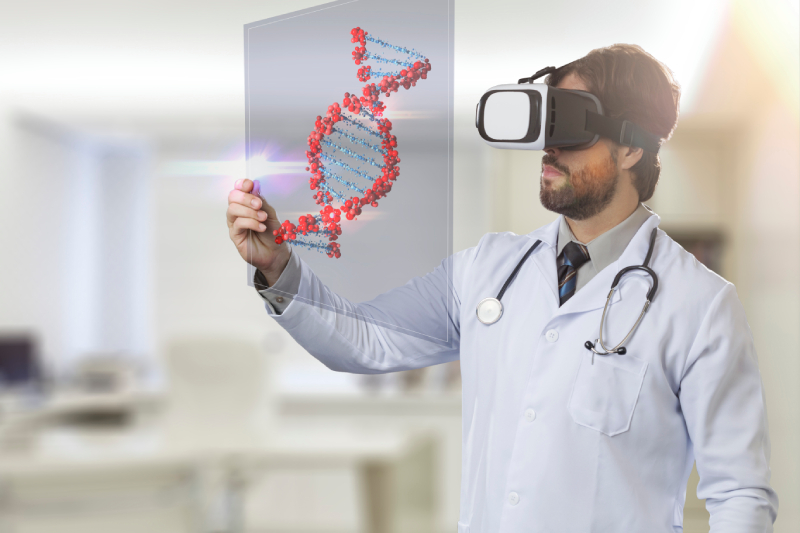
594 172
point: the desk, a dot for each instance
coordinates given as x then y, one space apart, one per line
438 415
62 457
17 413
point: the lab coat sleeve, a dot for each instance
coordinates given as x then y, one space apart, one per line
411 326
722 398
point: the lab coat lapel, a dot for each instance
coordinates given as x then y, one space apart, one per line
594 294
545 257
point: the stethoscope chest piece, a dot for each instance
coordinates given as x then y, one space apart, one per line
489 310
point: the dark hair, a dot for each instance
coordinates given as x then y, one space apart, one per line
632 85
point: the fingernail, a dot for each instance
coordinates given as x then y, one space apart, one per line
261 227
256 187
255 202
238 184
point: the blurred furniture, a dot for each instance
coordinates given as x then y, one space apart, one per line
84 492
21 420
75 462
707 245
218 388
429 477
76 404
389 502
192 470
87 483
19 365
106 372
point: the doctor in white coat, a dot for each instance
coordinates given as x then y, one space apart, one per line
555 438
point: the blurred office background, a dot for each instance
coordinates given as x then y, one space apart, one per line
163 398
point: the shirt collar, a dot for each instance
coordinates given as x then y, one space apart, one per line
607 247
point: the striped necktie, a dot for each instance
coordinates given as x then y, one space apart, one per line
575 255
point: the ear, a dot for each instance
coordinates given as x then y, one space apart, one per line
629 156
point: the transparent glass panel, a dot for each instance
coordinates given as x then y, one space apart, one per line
349 135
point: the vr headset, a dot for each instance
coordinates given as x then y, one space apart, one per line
535 116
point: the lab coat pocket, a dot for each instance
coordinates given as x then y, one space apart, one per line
463 528
605 393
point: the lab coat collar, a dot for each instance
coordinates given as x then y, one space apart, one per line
593 295
547 234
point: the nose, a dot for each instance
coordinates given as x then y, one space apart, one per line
554 152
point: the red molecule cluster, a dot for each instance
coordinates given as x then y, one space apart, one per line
408 78
359 36
359 54
364 73
334 250
307 223
328 222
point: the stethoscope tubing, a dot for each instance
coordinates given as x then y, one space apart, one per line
493 307
516 270
619 348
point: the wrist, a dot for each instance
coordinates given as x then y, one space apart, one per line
273 273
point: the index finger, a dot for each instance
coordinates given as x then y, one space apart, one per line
247 185
237 196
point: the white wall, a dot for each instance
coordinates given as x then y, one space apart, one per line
76 241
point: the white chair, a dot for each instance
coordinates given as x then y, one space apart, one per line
218 393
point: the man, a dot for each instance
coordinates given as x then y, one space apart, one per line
555 437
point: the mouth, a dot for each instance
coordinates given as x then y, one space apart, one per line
550 172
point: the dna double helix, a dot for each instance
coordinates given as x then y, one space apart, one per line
351 136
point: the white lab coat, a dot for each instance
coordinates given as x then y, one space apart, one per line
551 441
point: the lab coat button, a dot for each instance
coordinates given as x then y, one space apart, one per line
530 415
513 498
279 299
551 335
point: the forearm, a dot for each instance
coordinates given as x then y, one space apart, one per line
408 327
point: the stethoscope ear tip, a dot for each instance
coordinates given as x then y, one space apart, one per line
589 345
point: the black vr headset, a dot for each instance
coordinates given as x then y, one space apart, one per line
535 116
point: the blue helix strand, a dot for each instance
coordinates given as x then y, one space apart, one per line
362 142
324 248
381 59
399 49
361 126
348 184
380 73
345 166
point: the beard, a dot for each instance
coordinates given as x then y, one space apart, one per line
587 191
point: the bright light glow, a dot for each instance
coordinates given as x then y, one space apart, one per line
260 167
769 28
681 34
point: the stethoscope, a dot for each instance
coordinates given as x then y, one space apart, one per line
490 310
